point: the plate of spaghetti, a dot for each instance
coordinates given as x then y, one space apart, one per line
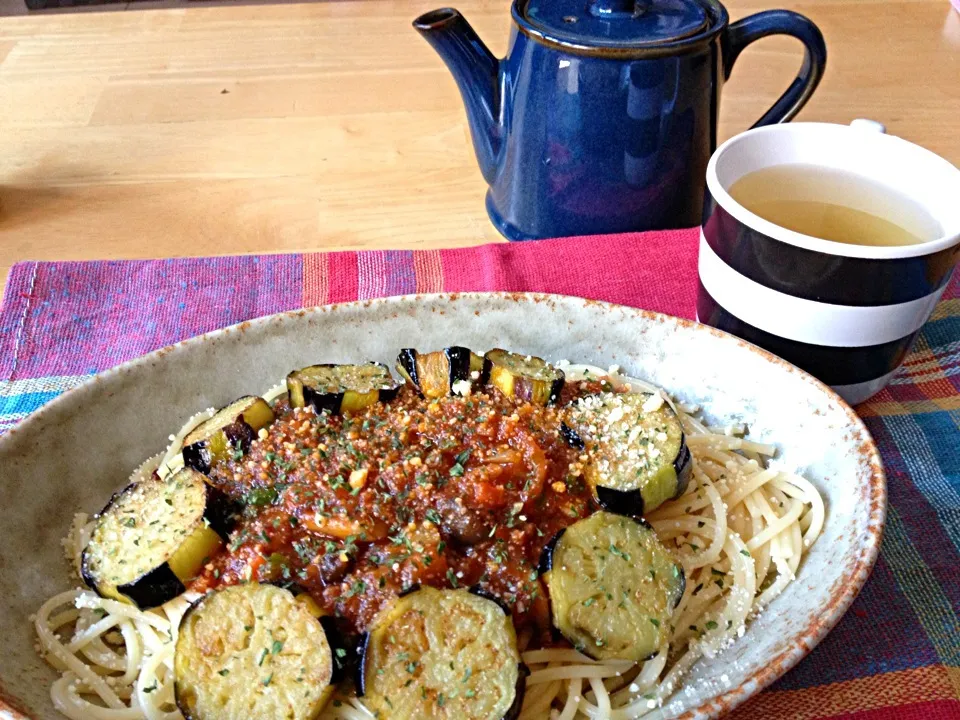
478 506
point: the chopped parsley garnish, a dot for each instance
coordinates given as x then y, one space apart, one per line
617 551
261 496
357 588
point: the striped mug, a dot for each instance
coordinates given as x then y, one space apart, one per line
846 313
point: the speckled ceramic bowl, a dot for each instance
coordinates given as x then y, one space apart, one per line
71 454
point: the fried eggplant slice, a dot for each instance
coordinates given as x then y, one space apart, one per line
340 389
152 538
613 587
231 430
451 371
442 654
253 651
637 455
524 377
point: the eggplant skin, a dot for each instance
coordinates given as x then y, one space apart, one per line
683 466
151 539
149 590
339 649
222 513
546 556
458 359
487 595
348 388
343 653
252 651
233 428
199 456
623 502
359 677
407 367
407 591
87 573
680 590
477 674
513 712
438 373
480 365
637 456
613 587
524 377
571 436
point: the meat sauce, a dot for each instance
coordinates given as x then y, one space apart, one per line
455 492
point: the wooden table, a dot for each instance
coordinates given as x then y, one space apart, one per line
241 129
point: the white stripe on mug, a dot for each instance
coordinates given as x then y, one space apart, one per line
804 320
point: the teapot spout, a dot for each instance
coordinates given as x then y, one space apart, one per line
477 74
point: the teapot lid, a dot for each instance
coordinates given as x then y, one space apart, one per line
616 23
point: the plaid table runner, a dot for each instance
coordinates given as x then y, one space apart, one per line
896 654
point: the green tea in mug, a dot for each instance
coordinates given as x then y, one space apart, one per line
835 205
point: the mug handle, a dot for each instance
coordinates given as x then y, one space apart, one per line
780 22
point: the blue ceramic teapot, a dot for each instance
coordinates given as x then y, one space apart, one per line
603 115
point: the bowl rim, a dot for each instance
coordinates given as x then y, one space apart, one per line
850 583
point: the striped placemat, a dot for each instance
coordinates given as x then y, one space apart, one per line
895 656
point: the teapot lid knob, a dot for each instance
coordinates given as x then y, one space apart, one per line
618 23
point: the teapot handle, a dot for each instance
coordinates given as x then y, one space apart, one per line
780 22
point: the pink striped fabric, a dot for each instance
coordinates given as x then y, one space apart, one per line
893 657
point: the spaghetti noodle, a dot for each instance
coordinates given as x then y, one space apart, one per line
739 531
